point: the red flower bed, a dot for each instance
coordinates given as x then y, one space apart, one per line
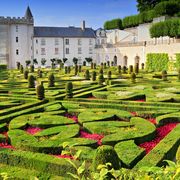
64 156
152 120
96 137
141 100
134 113
33 130
73 117
161 132
91 97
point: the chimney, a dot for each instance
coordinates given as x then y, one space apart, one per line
83 25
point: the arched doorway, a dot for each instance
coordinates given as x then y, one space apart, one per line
115 60
125 61
136 60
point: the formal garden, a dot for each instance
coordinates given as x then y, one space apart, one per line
90 122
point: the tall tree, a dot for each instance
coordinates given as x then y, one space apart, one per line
144 5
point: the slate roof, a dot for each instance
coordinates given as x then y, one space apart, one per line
63 32
28 14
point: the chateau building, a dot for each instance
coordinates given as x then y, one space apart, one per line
20 40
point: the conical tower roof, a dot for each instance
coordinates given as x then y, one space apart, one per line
28 14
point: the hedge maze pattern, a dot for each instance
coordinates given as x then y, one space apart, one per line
139 120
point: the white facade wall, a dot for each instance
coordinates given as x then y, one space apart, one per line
23 47
132 52
73 46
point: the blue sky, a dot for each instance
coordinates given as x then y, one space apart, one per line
69 12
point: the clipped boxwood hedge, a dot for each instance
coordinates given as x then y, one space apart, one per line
166 149
129 153
36 161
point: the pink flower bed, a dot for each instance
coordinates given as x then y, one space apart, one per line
33 130
73 117
161 132
6 145
96 137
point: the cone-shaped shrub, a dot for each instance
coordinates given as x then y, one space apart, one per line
84 63
80 68
136 68
106 154
65 70
69 90
133 77
130 69
51 80
94 76
76 70
18 64
31 81
101 71
21 69
69 69
100 79
112 63
94 65
109 75
119 69
26 72
87 75
108 63
164 75
104 65
32 68
124 69
142 66
40 92
40 73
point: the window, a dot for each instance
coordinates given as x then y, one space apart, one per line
56 50
16 28
36 51
67 50
79 42
56 42
36 41
90 50
43 42
43 51
79 50
67 41
90 42
17 39
17 52
79 60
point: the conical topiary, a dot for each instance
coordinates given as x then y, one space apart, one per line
100 79
69 90
106 154
87 75
40 92
94 76
26 72
31 81
51 80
